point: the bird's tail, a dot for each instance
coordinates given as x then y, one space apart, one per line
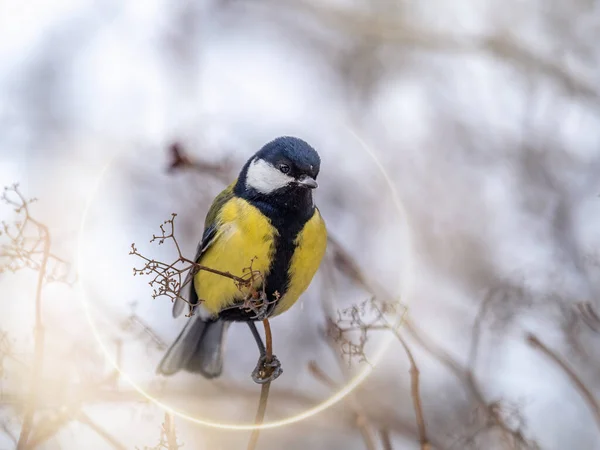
198 348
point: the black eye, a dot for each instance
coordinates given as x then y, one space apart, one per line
284 168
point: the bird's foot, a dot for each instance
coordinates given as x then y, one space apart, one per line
265 372
261 311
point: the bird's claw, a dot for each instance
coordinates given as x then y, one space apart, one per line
265 372
261 312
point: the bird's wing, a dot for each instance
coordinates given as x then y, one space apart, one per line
211 232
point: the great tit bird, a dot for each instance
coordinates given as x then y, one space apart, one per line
265 219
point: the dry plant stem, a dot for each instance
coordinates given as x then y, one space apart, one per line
169 427
52 425
264 391
167 277
180 160
86 420
38 347
45 431
468 380
581 387
346 263
415 393
367 432
392 31
8 433
320 375
443 357
386 440
362 422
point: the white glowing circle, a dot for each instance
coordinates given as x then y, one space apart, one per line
335 398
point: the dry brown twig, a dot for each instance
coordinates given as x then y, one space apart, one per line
58 417
492 411
6 430
137 325
361 421
386 440
415 392
180 160
264 391
28 245
167 278
347 265
168 435
585 392
354 320
396 30
100 431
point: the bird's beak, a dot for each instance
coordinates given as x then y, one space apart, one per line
308 182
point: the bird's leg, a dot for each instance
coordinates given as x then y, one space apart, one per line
257 338
264 371
258 306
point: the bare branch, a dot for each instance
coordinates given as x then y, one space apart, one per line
264 391
415 392
86 420
8 432
168 435
361 421
18 250
386 441
180 160
585 392
166 278
396 31
362 319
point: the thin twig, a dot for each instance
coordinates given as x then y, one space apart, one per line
8 433
415 392
167 278
320 375
38 352
472 387
581 387
264 391
86 420
344 262
169 427
168 435
386 441
360 420
51 426
392 31
180 160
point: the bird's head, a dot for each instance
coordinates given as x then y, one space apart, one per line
284 165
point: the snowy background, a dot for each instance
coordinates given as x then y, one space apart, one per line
485 117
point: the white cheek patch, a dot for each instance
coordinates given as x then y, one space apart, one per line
265 178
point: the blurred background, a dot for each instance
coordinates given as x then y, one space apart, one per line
460 147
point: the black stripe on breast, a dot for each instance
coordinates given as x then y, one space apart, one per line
288 222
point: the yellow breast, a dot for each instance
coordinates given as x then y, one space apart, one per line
245 238
310 249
